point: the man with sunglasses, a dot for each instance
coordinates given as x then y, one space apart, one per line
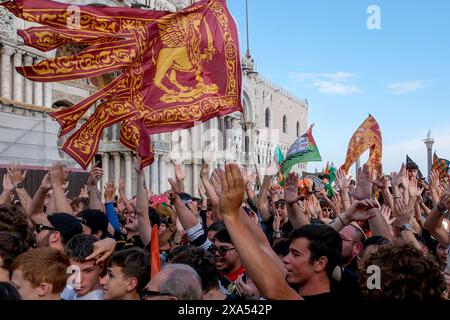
56 230
278 225
227 261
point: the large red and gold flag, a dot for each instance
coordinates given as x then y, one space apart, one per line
368 136
175 69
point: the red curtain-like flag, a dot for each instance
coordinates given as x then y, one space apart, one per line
367 136
155 261
175 69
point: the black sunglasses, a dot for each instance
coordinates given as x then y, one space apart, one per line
40 227
222 250
145 294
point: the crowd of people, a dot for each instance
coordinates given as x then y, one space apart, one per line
377 237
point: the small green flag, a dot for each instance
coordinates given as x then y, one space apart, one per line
304 149
278 155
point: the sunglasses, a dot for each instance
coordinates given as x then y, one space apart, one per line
146 294
280 205
40 227
222 250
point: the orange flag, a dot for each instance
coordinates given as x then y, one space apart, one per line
367 136
155 262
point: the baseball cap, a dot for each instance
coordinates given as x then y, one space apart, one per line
66 224
185 197
96 220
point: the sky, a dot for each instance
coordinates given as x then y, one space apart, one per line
324 51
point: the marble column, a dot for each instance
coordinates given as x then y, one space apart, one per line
6 75
105 168
128 177
116 156
47 94
163 184
154 175
17 78
28 83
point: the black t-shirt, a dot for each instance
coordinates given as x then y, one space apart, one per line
123 242
348 287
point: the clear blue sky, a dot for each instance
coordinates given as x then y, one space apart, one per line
322 50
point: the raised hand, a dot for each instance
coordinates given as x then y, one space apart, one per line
205 170
110 191
341 179
215 181
57 174
174 186
94 176
84 192
363 188
381 181
102 250
413 189
386 213
291 188
361 210
233 190
313 206
248 177
122 187
271 169
46 183
276 222
434 179
179 172
7 183
404 214
396 178
16 174
336 203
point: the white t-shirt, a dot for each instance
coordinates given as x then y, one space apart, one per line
70 294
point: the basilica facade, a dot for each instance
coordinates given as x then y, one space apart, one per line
272 116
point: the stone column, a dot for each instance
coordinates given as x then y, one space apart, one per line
128 177
28 83
116 156
48 94
154 175
6 75
17 78
105 168
162 174
37 89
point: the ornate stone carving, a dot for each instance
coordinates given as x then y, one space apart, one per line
7 26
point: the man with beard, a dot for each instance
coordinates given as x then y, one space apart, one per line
56 230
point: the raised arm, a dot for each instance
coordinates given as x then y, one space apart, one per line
344 184
204 176
180 175
36 212
433 223
296 214
187 218
58 177
256 261
145 229
95 175
404 218
263 206
17 178
383 184
8 187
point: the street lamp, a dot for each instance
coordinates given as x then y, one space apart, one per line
429 143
